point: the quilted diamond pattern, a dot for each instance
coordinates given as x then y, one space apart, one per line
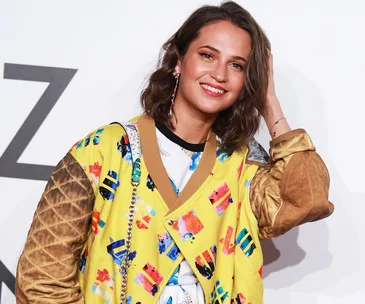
47 268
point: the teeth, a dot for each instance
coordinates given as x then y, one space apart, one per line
205 86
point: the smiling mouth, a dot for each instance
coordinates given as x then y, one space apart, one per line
211 90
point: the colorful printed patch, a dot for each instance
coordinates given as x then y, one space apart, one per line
152 283
110 185
221 192
218 295
82 260
104 277
228 246
205 263
96 222
143 214
85 142
150 183
129 300
96 138
100 289
188 226
165 242
124 147
247 244
79 144
221 155
240 299
95 170
104 285
117 250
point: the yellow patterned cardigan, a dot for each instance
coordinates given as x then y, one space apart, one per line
77 238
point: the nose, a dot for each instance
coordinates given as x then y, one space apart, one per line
219 73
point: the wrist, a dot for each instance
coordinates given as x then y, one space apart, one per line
274 117
272 111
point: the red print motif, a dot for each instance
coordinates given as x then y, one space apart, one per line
95 169
188 225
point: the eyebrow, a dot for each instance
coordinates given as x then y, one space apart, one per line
217 51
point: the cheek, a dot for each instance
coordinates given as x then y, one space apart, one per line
237 82
194 69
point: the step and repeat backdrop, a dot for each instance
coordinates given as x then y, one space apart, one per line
67 67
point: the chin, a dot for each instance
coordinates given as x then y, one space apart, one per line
211 109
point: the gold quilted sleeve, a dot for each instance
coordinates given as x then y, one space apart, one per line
46 271
294 189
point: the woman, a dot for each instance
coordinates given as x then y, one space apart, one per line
207 192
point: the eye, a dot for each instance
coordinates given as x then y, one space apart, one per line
237 66
206 56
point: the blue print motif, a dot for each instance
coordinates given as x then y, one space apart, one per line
174 278
79 144
150 183
117 250
247 245
87 141
110 185
195 158
166 243
96 139
218 295
221 155
84 143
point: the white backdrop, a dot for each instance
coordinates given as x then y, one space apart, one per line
319 61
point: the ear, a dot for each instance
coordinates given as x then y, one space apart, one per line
178 66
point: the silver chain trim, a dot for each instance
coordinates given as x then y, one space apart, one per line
136 154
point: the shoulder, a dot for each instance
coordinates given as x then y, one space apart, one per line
99 138
105 140
101 144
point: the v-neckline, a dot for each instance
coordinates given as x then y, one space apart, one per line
152 159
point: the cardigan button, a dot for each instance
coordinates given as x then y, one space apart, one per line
170 222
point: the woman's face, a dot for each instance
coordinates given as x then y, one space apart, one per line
212 70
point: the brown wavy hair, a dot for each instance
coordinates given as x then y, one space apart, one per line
237 124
